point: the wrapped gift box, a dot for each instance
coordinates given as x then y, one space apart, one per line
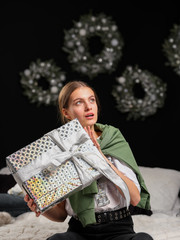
52 168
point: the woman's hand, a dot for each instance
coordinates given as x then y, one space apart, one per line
31 204
57 213
93 138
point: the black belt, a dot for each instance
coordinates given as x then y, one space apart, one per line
112 216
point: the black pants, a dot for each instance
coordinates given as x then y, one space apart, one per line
118 230
14 205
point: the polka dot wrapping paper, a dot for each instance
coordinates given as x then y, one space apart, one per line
52 183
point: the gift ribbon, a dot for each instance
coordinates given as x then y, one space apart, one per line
70 149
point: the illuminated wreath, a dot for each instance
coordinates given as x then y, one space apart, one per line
42 82
78 39
171 48
138 93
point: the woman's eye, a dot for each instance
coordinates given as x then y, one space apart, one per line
78 102
92 100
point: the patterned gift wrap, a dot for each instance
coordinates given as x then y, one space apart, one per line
29 153
52 184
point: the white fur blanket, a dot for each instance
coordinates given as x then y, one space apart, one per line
28 227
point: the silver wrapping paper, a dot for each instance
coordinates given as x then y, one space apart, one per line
67 162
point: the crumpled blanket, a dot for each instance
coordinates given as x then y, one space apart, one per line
28 227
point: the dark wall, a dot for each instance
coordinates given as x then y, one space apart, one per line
36 30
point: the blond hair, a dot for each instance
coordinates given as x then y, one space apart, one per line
65 93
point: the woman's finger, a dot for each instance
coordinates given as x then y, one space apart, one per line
38 214
94 140
31 204
26 198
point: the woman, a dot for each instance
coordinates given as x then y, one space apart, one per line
102 213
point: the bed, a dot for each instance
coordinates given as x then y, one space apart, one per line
163 224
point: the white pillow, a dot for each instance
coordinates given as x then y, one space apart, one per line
163 186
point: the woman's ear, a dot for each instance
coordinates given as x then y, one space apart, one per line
65 113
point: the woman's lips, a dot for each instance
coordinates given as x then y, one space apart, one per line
89 115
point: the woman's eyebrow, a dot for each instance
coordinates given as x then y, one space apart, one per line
82 98
76 99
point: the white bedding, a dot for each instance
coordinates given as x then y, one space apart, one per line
163 185
28 227
160 226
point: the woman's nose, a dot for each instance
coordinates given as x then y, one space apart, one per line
88 106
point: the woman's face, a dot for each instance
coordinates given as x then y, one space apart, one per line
82 105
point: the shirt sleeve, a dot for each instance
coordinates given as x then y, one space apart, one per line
127 171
